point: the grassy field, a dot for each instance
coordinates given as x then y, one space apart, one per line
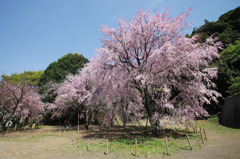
58 142
121 142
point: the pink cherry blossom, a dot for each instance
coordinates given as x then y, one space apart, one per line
19 101
146 66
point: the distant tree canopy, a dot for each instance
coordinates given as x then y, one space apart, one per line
30 77
227 28
56 72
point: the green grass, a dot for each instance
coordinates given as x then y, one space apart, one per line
151 146
146 145
38 137
213 124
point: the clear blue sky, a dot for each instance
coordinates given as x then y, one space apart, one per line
34 33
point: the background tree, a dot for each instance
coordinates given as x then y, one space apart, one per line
56 72
226 29
30 77
18 101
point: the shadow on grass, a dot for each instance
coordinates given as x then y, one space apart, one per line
132 132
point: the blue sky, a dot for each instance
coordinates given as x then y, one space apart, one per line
34 33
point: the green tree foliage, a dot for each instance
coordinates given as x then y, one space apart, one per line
229 69
56 72
227 28
30 77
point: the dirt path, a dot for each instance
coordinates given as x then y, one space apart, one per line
220 145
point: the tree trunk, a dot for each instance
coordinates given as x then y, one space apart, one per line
154 121
155 126
4 128
78 120
139 124
124 124
86 119
116 119
124 120
36 125
146 125
16 126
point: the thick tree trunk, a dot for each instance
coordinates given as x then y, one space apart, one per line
154 121
155 126
124 120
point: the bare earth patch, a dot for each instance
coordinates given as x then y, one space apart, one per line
221 144
42 144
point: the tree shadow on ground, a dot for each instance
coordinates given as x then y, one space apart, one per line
131 132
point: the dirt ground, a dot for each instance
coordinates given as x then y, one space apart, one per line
42 144
46 142
219 146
